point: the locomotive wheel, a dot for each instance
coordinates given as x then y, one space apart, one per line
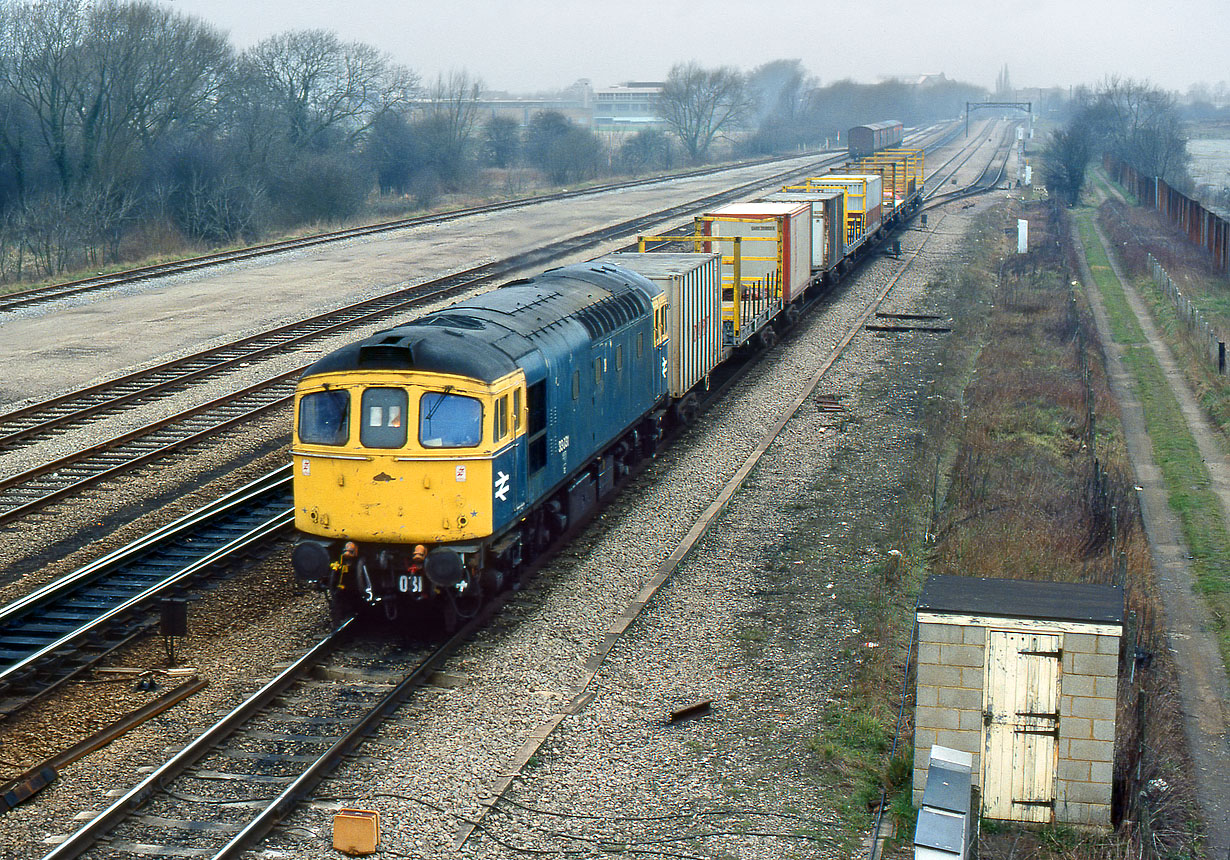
450 618
341 607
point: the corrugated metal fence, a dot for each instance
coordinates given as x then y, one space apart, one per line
1204 228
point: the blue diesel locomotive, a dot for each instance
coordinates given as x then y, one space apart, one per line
432 458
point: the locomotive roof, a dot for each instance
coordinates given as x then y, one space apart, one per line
485 337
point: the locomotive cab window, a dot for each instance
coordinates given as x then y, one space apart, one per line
384 418
449 421
324 418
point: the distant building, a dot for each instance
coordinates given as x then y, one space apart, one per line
628 107
576 102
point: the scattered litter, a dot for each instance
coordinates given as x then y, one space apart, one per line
695 709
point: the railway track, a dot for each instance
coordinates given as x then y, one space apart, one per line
174 832
61 414
36 487
59 631
268 753
55 292
22 494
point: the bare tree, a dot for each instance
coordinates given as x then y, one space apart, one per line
39 67
453 102
146 71
1064 161
321 86
778 90
699 104
1142 126
105 81
501 141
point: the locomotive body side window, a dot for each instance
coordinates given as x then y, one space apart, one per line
536 424
449 421
501 417
383 418
516 410
324 418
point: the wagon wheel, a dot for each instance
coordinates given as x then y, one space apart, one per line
766 338
687 410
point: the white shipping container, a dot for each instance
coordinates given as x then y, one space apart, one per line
826 232
864 191
692 283
789 223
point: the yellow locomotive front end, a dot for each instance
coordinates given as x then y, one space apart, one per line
380 482
400 476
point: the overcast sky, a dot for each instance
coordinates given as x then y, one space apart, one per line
540 45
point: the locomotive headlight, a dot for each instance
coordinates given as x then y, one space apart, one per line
444 567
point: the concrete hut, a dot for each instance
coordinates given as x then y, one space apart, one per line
1024 676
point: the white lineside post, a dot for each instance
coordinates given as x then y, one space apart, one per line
1022 235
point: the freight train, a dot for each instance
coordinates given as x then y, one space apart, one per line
433 460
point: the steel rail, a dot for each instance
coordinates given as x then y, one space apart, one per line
193 519
84 838
274 524
182 526
54 292
118 572
37 419
302 785
73 472
624 621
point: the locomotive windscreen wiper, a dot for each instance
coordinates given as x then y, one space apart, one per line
439 402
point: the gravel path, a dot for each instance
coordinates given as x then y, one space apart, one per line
1202 677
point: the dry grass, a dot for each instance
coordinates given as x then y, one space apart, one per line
1040 488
